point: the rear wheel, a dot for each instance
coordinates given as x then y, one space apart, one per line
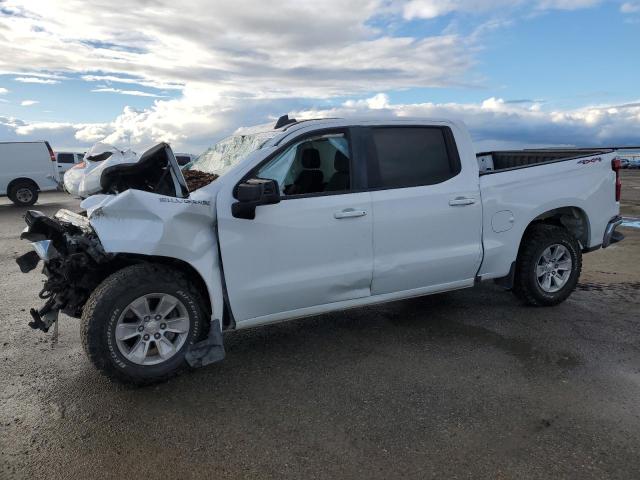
23 193
548 266
138 324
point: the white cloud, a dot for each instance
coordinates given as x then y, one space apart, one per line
435 8
44 81
240 47
129 80
630 7
3 91
135 93
238 62
197 120
28 103
567 4
495 123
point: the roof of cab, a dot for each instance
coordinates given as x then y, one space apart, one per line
293 126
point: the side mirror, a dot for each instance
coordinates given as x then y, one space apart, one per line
254 192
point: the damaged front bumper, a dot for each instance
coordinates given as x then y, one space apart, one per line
74 263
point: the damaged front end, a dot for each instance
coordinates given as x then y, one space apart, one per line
143 213
74 263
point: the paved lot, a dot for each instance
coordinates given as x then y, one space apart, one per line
468 384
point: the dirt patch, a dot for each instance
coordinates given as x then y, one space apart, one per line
630 201
197 179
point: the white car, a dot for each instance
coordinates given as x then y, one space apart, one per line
27 168
83 179
312 217
67 160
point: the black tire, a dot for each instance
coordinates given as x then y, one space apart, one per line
537 239
105 305
23 193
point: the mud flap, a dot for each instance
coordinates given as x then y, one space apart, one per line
207 351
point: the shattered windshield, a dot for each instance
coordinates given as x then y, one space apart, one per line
229 151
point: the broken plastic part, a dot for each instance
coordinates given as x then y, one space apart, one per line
45 317
28 261
209 350
45 250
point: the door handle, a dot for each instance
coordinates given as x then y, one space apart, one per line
462 201
349 213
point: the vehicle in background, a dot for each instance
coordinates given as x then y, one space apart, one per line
83 179
27 168
634 162
66 160
306 218
624 163
184 158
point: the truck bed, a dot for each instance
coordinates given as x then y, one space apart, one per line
492 162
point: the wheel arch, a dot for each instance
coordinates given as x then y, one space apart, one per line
573 219
18 180
208 291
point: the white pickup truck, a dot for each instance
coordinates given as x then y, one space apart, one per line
310 217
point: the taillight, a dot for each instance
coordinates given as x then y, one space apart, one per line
51 154
616 165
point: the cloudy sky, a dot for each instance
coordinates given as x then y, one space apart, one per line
519 72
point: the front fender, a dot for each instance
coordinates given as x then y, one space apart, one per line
144 223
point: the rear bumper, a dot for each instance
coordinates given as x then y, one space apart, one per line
610 234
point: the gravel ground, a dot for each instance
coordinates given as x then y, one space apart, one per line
468 384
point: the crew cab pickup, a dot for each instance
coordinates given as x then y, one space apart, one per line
310 217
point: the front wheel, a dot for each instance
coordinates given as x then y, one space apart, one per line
548 266
138 324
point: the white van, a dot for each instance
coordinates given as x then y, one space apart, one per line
66 160
27 168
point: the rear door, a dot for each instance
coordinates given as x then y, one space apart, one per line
426 208
311 249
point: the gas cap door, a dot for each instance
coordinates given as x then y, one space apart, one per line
502 221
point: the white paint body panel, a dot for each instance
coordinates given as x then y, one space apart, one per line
297 259
420 239
530 192
296 254
30 160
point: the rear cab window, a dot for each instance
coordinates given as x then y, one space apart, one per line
412 156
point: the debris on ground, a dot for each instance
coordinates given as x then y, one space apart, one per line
197 179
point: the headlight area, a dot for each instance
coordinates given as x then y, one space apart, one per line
74 263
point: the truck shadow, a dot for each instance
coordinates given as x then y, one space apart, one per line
342 342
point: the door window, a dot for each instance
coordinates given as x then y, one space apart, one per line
65 158
414 156
313 165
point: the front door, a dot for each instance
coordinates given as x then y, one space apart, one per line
311 249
